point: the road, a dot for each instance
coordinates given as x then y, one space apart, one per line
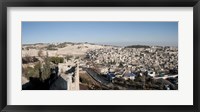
98 78
165 77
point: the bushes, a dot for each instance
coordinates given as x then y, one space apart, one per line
56 60
68 57
121 64
38 70
77 57
84 80
46 71
29 59
51 47
61 45
32 71
40 53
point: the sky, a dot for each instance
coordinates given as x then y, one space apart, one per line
110 33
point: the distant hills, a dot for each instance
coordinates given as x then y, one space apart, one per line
79 43
137 46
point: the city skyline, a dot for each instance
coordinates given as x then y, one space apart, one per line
108 33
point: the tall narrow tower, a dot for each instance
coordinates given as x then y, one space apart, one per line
77 76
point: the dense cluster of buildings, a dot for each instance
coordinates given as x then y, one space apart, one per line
111 66
154 60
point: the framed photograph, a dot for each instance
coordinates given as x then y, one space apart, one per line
130 55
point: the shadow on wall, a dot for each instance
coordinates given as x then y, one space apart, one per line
54 82
59 84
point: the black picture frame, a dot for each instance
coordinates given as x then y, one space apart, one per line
99 3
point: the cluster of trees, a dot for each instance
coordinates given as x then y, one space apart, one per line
51 47
138 46
31 71
68 57
56 60
111 62
27 48
61 45
144 83
29 59
46 69
42 71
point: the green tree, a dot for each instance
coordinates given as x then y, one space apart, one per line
46 70
56 60
40 53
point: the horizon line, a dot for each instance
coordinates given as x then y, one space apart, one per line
100 43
